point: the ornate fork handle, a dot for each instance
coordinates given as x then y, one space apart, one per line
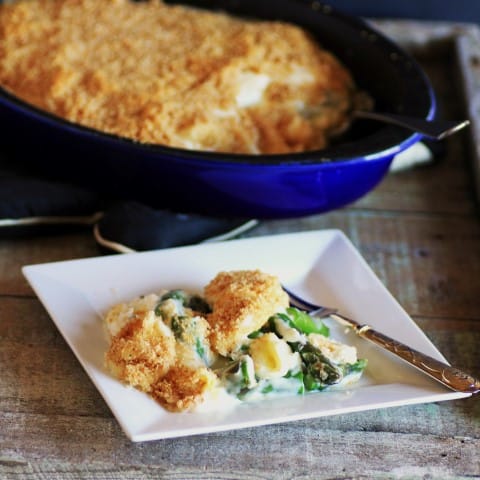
450 376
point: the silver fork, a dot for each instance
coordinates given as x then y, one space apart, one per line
449 376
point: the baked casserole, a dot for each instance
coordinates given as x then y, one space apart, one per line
173 75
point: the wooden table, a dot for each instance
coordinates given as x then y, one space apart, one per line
419 231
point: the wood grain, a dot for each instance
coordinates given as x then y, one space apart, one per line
419 231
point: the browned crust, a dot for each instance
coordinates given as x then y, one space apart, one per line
161 74
183 388
141 353
242 302
146 355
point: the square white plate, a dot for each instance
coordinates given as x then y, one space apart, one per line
322 266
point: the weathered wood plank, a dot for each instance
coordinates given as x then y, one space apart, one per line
446 186
431 264
419 230
26 250
42 378
313 452
39 372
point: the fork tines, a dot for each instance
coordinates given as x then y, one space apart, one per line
310 308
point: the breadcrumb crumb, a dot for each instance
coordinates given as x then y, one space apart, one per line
183 387
242 302
142 352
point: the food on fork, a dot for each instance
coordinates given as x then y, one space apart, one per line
175 75
240 341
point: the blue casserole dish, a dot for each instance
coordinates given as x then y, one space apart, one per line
261 186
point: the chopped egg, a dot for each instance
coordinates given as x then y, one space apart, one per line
272 356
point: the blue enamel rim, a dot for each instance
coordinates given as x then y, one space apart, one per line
386 142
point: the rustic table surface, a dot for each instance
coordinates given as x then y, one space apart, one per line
419 231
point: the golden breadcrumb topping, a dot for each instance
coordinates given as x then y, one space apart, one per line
183 387
163 349
188 351
159 355
174 75
142 352
242 302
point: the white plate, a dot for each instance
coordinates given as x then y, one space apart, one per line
323 266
